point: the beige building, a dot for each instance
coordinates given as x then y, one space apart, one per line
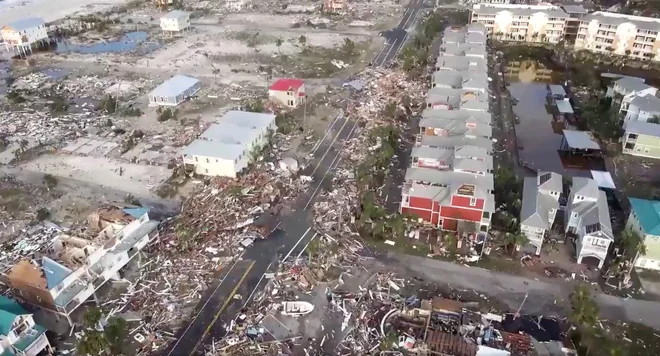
614 33
531 23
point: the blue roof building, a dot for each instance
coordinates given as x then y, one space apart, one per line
19 335
644 219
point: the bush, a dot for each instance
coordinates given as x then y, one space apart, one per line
43 214
50 181
166 114
15 97
108 104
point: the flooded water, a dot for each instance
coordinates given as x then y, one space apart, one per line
131 42
530 71
538 144
55 73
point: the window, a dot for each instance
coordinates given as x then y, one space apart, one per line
544 178
196 160
630 146
473 201
575 215
485 215
206 170
592 228
207 161
632 136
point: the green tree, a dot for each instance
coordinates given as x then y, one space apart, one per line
313 249
655 119
185 237
255 106
115 333
514 239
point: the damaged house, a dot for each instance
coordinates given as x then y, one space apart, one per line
588 220
19 334
540 203
75 267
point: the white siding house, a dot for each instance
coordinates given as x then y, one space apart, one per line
588 218
175 21
174 91
540 203
227 147
19 36
640 105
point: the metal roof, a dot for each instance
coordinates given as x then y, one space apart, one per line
581 140
556 89
435 176
564 107
537 201
642 128
175 14
457 141
631 84
648 214
174 86
462 115
230 136
649 103
519 10
574 9
616 19
26 23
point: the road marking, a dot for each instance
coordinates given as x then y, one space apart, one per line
375 62
294 246
318 144
227 301
257 286
329 169
330 147
204 306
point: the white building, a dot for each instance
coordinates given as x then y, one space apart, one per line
587 216
80 266
21 35
175 21
19 335
521 22
540 203
228 147
174 91
236 5
644 219
641 106
620 34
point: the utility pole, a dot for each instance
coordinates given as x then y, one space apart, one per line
304 111
521 305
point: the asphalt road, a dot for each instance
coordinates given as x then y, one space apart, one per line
236 286
397 36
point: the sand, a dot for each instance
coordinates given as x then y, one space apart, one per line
50 10
137 179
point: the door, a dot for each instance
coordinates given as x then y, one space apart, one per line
449 224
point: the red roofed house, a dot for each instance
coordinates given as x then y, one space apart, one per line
290 92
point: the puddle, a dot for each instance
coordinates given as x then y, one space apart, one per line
130 42
55 73
538 143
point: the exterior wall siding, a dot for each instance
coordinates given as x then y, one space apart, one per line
462 201
460 213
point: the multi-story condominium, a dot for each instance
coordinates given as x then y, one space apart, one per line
531 23
614 33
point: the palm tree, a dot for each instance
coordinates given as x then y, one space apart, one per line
584 313
632 243
313 249
514 240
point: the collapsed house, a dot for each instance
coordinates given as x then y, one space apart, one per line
68 270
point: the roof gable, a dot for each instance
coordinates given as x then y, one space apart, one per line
286 84
9 310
